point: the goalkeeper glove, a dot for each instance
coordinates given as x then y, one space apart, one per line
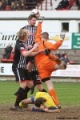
46 51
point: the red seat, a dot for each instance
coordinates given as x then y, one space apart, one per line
71 2
11 56
10 60
4 60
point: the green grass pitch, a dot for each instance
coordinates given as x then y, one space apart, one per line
68 93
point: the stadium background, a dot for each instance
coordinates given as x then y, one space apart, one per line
68 88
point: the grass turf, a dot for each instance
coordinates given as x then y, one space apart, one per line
68 93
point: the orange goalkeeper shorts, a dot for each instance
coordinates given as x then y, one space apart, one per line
45 68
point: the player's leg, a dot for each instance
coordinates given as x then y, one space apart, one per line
30 65
45 77
24 79
51 90
40 88
62 65
37 81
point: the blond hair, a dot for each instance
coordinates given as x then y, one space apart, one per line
22 34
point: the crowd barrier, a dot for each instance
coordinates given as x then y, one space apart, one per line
70 71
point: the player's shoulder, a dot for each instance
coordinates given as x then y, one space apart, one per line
19 43
25 27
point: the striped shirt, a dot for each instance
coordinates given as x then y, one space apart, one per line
32 29
30 40
19 59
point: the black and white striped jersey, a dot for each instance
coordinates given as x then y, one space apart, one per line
19 59
32 29
30 40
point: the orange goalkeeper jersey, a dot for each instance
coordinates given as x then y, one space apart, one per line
51 46
44 63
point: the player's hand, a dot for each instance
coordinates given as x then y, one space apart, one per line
46 51
41 51
62 36
41 18
29 47
45 109
36 45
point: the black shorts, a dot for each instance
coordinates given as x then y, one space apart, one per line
21 74
35 77
30 59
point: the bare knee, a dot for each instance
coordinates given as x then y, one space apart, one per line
39 87
63 65
30 84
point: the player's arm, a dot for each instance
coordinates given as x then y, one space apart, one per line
44 109
29 52
54 58
36 53
24 103
50 111
54 46
38 32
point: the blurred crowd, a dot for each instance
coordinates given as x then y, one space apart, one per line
17 4
68 5
63 56
31 4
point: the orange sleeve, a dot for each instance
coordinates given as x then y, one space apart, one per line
54 46
38 32
55 59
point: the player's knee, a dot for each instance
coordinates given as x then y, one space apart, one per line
63 65
30 84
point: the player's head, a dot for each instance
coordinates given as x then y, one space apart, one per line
22 35
39 101
45 35
35 12
32 20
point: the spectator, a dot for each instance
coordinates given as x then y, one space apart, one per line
58 54
78 4
8 50
65 58
74 7
1 5
30 4
63 54
22 5
13 5
63 4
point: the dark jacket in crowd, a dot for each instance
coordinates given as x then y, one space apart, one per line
8 50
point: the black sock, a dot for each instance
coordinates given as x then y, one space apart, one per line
19 96
26 91
18 100
20 91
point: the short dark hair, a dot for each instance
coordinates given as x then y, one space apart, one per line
32 16
39 101
45 35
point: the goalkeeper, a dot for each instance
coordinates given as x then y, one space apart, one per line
45 62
